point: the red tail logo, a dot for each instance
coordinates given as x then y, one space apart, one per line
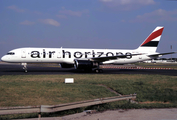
150 40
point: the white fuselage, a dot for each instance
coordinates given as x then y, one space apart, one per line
68 55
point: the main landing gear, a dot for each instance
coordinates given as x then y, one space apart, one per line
98 70
24 66
95 68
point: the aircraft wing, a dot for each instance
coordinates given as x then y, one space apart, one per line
159 54
102 59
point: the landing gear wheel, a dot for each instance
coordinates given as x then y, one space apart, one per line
26 71
98 70
25 67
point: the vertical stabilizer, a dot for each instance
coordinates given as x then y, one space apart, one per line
151 42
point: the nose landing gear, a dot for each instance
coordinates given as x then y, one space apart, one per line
24 67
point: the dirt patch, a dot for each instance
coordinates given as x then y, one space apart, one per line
149 102
110 89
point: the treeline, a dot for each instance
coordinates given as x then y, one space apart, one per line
168 59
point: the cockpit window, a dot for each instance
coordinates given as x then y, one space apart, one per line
10 53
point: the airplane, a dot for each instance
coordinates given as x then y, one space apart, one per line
87 59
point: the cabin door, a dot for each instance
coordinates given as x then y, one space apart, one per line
23 53
59 53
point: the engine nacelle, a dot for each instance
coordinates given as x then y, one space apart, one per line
83 64
64 65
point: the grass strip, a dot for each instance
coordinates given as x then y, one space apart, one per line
153 91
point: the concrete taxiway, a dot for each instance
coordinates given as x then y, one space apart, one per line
43 69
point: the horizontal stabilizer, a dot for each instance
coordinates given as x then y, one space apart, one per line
159 54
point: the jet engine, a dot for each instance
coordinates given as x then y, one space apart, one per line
83 64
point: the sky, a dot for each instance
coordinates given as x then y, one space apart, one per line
107 24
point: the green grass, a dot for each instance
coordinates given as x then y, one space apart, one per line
153 91
42 90
50 89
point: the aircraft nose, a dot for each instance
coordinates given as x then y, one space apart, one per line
4 58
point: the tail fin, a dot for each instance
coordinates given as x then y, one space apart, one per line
151 42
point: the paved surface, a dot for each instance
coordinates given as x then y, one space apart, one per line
133 114
16 69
